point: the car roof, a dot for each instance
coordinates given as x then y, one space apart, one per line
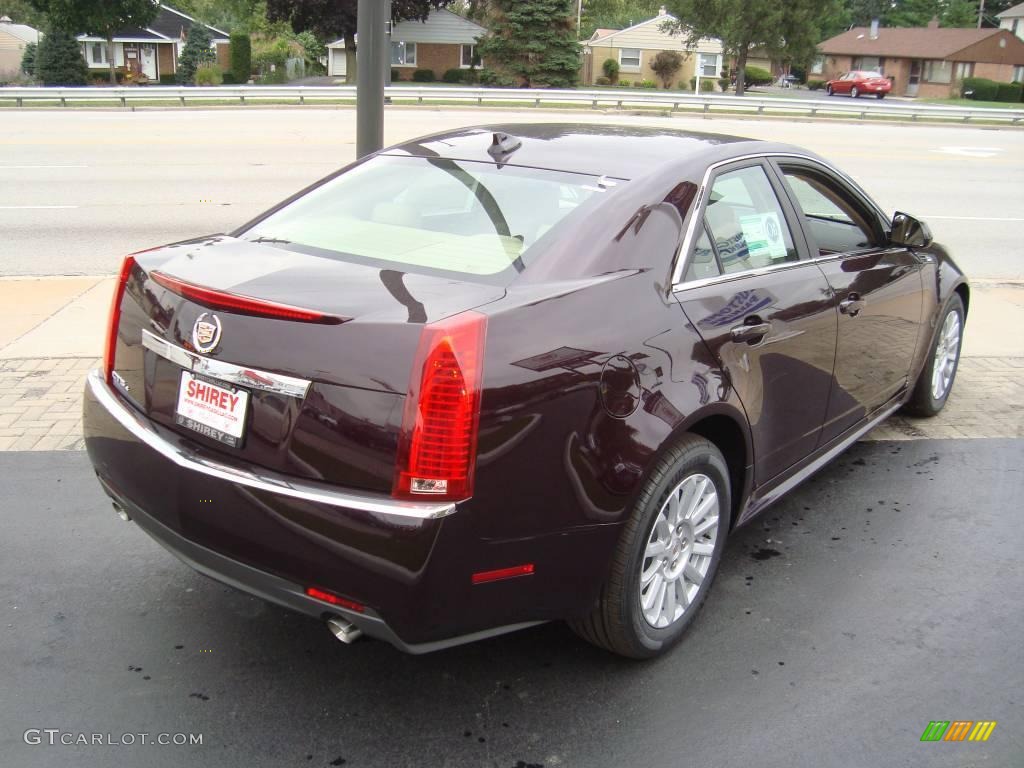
618 151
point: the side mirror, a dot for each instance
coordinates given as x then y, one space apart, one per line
909 232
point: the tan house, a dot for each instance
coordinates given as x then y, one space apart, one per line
152 51
1013 20
923 61
634 48
13 39
444 41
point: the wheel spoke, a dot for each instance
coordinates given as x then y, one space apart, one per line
669 608
701 510
703 549
659 601
692 574
648 597
710 523
656 549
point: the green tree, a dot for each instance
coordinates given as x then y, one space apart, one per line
959 13
196 53
334 19
59 59
28 59
666 66
23 12
241 57
789 30
615 14
102 18
535 41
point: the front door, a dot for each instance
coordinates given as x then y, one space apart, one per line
915 77
877 291
148 53
764 313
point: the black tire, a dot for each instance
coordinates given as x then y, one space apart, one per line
879 95
617 624
854 92
828 90
922 401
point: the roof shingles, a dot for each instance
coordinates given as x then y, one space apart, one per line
908 42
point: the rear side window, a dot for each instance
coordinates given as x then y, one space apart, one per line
456 216
746 222
835 222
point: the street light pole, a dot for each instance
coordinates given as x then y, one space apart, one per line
370 56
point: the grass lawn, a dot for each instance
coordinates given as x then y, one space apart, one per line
973 103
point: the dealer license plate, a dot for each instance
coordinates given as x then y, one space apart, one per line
216 410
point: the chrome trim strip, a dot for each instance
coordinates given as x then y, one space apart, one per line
264 480
691 229
251 378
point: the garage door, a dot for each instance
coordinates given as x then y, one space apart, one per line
338 63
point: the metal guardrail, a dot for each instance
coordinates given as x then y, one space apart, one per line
621 99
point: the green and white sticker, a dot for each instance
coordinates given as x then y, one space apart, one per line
763 233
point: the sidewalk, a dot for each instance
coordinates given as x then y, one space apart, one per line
52 332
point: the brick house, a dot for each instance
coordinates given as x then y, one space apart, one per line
923 61
444 41
152 51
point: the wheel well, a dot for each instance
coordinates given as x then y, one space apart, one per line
965 295
727 436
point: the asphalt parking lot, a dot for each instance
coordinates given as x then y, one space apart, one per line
882 595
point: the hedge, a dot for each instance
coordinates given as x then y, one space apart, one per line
1010 92
241 58
757 76
815 85
979 89
706 84
424 76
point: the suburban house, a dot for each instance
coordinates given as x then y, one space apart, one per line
152 51
444 41
13 39
923 61
634 48
1013 20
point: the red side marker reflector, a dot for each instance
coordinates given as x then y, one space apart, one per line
242 305
526 569
327 597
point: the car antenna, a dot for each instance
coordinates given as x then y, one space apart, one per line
502 145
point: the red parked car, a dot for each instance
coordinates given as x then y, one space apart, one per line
858 82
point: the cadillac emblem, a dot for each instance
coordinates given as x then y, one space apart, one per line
206 332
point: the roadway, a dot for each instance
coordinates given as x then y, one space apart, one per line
79 188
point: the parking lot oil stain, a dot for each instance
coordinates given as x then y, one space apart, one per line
523 764
765 554
133 668
178 647
338 761
200 696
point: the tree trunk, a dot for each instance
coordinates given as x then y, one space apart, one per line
351 68
110 56
741 69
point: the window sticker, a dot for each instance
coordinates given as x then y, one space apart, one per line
763 233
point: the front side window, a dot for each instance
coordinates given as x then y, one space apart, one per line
1018 74
629 58
836 223
708 64
818 65
403 54
868 63
746 222
464 217
938 71
99 53
468 58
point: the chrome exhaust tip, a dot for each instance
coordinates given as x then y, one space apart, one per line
121 512
344 630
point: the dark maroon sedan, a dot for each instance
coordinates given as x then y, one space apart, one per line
508 375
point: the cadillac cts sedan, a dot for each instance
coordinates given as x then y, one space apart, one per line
858 82
507 375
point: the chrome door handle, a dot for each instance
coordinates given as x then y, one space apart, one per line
752 333
852 305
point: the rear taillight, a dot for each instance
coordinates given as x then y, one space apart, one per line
239 304
115 317
437 446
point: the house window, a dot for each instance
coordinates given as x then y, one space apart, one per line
964 69
709 64
868 63
98 53
629 58
938 71
818 65
1018 74
468 55
403 54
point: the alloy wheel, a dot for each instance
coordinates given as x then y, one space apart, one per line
679 551
947 352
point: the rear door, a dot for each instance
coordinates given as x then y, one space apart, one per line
877 290
765 313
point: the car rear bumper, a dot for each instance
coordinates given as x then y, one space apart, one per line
273 537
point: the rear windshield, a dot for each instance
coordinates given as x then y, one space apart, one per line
464 217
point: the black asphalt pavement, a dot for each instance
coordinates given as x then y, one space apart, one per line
883 594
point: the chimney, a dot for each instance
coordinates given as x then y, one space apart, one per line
5 20
934 23
874 29
663 11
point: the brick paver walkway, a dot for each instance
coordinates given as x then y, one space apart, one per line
41 404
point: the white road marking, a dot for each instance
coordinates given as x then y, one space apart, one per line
6 167
33 207
982 152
